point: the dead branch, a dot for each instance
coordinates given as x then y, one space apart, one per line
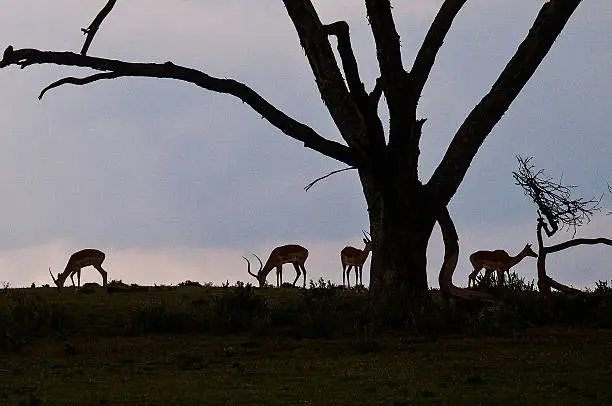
79 81
311 184
553 199
95 25
168 70
471 134
576 242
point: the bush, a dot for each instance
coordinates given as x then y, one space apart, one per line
238 309
323 311
24 317
602 288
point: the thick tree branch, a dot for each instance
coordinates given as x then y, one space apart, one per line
471 134
577 241
431 45
168 70
387 42
95 25
335 95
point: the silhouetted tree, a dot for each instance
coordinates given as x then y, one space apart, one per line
557 210
402 209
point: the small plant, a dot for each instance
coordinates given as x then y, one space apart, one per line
513 285
321 284
190 283
602 288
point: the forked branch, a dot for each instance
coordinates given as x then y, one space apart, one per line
168 70
95 25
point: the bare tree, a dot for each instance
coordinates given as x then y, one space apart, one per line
402 208
557 210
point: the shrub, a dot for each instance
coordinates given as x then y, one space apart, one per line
190 283
602 288
24 317
238 308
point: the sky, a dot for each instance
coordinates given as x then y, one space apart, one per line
174 182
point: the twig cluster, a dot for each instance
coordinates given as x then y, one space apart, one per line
554 200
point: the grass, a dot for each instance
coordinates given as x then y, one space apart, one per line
194 345
539 367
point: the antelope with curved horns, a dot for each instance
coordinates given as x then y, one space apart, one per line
78 260
285 254
351 256
497 260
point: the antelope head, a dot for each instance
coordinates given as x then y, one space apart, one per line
260 278
59 282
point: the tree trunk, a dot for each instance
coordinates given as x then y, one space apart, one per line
401 222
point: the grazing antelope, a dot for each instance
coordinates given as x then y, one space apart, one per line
78 260
285 254
497 260
351 256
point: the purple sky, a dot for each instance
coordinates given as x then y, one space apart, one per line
177 183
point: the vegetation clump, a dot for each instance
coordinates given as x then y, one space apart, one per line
324 311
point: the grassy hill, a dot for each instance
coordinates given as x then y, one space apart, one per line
192 345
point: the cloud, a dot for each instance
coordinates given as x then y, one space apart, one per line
160 169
